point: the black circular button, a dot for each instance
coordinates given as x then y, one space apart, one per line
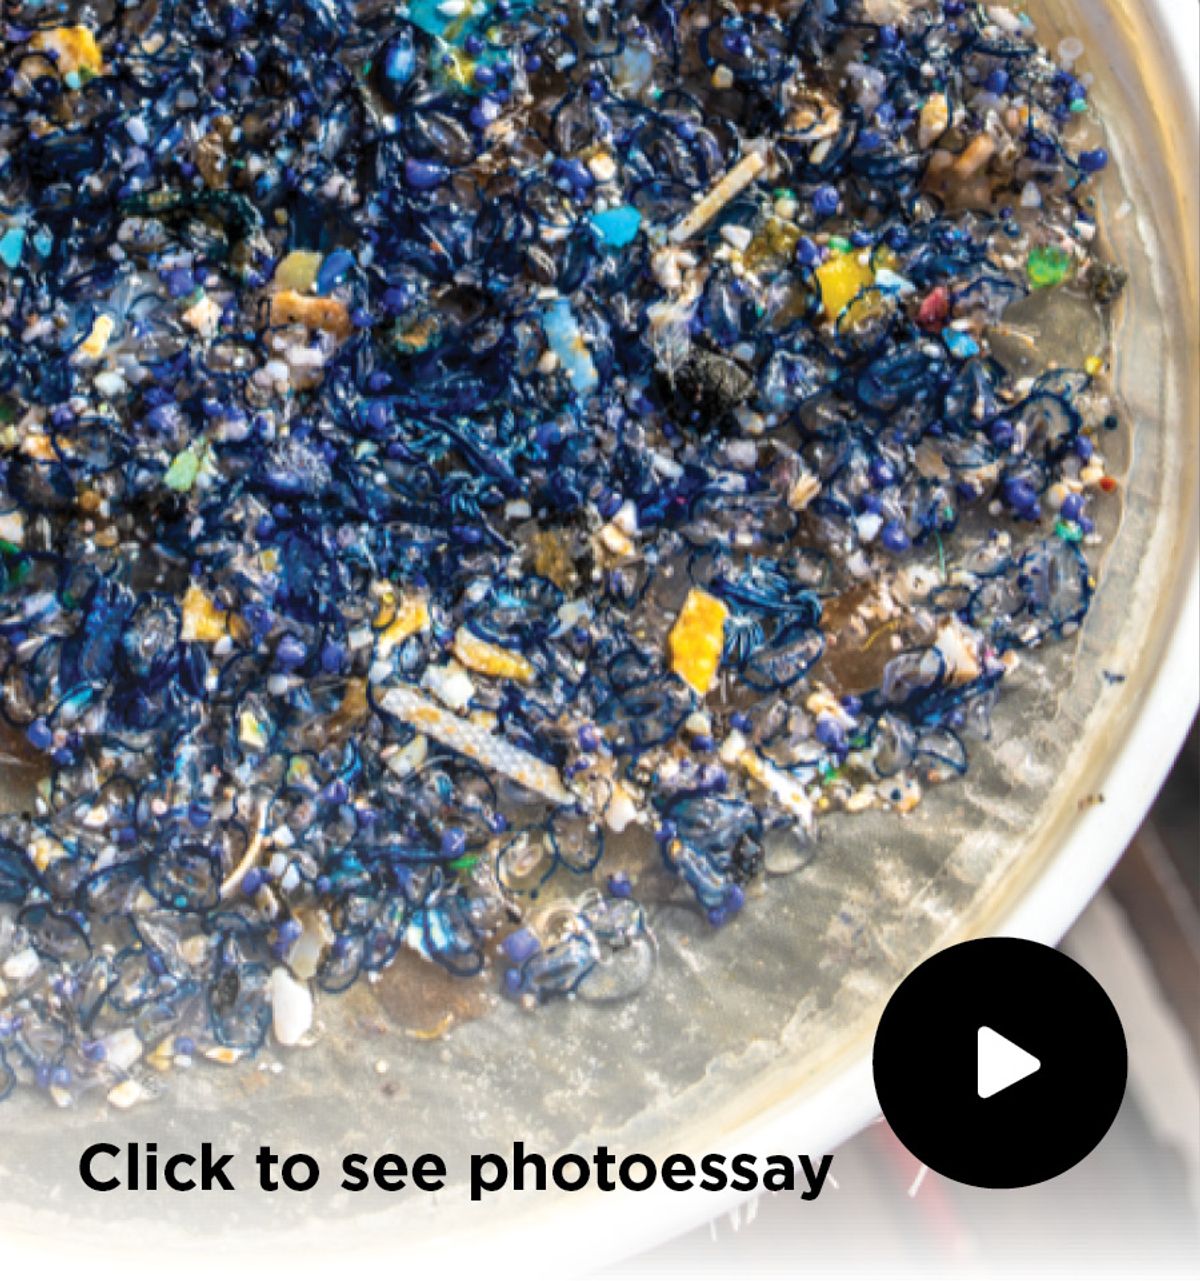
1000 1063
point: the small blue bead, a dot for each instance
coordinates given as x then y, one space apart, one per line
830 733
1002 433
290 652
521 945
619 885
424 175
882 473
1084 448
333 656
40 735
826 201
1072 507
589 738
808 252
1020 496
997 82
454 842
185 1045
894 537
740 722
1093 161
609 505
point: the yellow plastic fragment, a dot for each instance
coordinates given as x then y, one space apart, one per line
696 640
44 851
202 620
74 49
250 732
94 344
291 308
1093 365
399 618
482 656
225 1054
297 271
36 444
842 277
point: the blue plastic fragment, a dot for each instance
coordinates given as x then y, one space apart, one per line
566 341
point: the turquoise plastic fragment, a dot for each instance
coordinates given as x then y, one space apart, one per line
566 341
959 344
12 245
617 227
427 15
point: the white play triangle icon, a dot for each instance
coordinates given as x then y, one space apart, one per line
1001 1063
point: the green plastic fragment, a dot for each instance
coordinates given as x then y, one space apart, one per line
1048 265
1069 533
841 244
185 467
465 863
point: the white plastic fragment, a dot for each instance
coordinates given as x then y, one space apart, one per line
291 1007
12 528
732 184
122 1049
621 811
21 966
480 745
449 684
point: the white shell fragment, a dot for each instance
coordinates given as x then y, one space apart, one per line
291 1007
